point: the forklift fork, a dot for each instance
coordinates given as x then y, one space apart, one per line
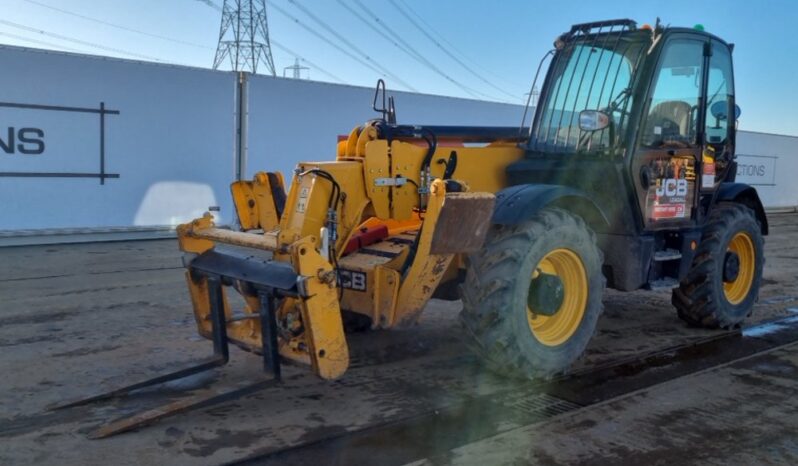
221 355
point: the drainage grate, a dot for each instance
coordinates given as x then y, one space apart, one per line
541 405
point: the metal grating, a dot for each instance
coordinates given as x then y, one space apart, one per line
542 405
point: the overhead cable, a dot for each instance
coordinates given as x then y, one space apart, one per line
117 26
454 48
420 58
369 62
451 55
315 66
211 4
41 42
77 41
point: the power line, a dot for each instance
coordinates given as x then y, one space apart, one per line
40 42
396 41
370 63
207 2
454 47
315 66
418 57
77 41
117 26
374 28
326 40
211 4
444 49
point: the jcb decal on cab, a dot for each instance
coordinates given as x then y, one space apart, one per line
672 187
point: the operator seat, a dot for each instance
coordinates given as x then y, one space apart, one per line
673 119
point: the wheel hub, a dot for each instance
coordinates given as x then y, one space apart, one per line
731 266
546 294
739 268
565 298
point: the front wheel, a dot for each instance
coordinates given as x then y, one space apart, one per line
532 295
722 285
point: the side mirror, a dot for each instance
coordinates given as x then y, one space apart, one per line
720 108
593 120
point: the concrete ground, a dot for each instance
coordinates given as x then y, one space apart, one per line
76 319
742 413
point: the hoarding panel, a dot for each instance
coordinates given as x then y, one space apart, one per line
293 120
769 162
171 143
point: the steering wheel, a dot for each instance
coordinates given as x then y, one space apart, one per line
669 134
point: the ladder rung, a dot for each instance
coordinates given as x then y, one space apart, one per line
667 255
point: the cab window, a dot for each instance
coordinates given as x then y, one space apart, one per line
673 109
593 74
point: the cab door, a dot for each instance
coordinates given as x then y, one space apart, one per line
666 164
721 116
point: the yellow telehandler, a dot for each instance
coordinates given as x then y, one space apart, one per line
625 177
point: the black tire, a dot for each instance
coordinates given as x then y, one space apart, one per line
700 299
497 285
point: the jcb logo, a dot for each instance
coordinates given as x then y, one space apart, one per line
28 141
352 280
672 187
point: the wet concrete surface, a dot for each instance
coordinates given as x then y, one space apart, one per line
76 319
741 413
439 436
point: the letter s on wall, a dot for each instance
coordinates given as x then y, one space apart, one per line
26 142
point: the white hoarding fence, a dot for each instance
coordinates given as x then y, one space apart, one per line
39 141
769 162
757 170
96 144
292 121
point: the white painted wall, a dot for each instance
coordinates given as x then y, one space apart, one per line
294 121
173 143
769 162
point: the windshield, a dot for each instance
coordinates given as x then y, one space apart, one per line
593 73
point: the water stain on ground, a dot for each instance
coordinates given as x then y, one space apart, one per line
86 351
222 438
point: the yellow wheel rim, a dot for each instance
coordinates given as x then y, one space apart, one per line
558 328
737 290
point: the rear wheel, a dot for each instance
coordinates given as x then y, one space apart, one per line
532 295
722 285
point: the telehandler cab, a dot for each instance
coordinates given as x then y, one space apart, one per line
625 177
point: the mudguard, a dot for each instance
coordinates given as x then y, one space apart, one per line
742 193
519 203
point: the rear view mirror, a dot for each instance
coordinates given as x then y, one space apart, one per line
593 120
719 110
